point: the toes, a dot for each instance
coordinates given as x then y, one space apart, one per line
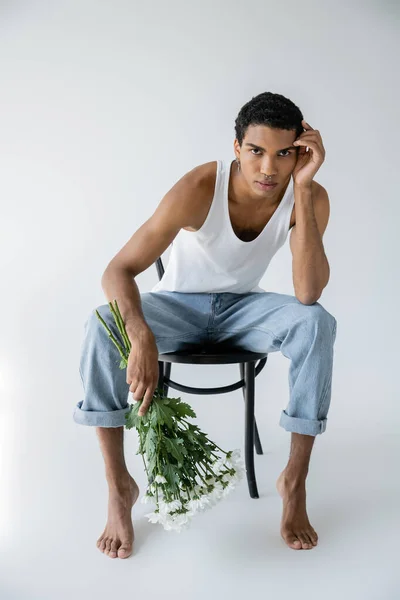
108 546
102 545
293 542
313 537
305 541
113 549
124 550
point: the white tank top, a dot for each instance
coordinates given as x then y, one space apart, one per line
213 258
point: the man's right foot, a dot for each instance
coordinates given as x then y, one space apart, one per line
117 538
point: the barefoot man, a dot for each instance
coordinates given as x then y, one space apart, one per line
225 219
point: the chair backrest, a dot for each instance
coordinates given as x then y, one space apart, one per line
159 267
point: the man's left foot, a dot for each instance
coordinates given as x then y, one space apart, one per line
295 526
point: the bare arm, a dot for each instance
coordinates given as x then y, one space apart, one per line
311 269
119 284
177 209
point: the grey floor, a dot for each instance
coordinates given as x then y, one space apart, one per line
53 509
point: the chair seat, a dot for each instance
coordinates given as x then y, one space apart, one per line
212 354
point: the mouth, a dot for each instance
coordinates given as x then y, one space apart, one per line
266 186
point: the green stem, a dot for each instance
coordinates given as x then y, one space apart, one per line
142 448
119 320
213 443
206 470
111 336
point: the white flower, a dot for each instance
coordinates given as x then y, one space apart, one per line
228 489
210 480
146 499
236 455
160 479
162 506
194 506
176 522
168 507
155 517
216 494
201 504
218 465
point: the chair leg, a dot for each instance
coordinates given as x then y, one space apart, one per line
257 441
164 369
249 378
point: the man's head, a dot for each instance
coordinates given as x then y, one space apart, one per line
266 128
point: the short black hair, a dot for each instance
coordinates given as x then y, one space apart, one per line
272 110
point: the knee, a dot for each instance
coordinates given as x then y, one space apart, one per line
93 320
317 314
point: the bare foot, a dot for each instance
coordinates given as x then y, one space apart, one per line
295 526
117 538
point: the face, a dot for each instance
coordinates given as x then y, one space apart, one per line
266 152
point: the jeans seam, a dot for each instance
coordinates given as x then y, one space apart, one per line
212 312
174 337
323 395
263 329
325 391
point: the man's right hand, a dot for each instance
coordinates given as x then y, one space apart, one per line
142 371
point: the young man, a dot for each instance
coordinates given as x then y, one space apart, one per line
226 220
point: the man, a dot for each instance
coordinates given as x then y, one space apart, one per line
225 220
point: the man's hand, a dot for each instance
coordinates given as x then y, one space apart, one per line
309 162
142 371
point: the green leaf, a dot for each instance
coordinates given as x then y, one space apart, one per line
154 417
131 418
165 415
151 442
152 464
170 473
173 448
182 409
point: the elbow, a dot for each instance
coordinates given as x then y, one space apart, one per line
308 298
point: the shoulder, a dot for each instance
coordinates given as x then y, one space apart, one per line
196 184
203 176
188 199
201 182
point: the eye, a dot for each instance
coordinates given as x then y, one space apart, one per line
283 156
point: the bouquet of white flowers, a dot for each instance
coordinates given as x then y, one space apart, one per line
185 473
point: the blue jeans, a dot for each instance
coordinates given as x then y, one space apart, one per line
259 322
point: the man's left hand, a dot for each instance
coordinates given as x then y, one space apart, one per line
308 162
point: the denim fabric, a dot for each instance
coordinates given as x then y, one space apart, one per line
260 322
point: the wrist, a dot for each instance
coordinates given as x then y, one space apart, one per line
138 330
303 187
302 193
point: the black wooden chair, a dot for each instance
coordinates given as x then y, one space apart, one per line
221 354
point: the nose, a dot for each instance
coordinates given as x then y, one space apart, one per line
268 169
267 173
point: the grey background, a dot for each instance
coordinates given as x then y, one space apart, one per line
103 107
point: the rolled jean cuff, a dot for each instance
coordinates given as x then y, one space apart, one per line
304 426
112 418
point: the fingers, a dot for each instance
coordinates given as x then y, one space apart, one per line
143 391
148 397
310 143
